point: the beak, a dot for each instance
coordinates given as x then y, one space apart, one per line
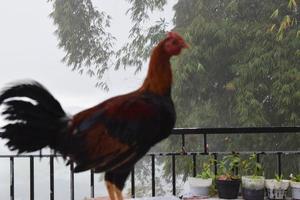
185 45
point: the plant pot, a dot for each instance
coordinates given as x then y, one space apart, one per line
295 186
253 188
252 194
199 187
228 189
276 189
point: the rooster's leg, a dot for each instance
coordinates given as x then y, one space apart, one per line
115 183
118 194
111 190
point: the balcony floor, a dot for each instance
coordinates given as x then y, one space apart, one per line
170 198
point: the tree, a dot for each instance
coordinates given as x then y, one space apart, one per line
83 35
237 73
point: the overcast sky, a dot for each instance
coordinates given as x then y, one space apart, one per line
28 50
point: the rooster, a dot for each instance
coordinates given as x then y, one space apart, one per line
109 137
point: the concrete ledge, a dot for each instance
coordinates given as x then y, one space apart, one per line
145 198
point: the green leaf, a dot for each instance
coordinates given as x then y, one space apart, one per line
292 4
275 13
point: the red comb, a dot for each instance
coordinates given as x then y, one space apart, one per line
173 34
176 35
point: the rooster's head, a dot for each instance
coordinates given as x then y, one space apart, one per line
174 43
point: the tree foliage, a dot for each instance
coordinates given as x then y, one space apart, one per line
236 70
236 73
142 37
285 17
83 34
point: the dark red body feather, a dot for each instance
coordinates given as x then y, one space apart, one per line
119 131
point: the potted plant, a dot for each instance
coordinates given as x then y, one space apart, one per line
295 186
228 181
276 188
201 184
253 183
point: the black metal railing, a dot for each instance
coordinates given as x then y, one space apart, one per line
204 132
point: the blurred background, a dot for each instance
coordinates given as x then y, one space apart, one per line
242 69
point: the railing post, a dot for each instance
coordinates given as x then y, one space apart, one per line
12 178
72 181
31 178
51 178
279 163
173 175
194 165
153 174
132 184
92 184
205 143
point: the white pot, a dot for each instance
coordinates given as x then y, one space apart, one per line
254 183
276 189
295 189
295 184
199 186
274 184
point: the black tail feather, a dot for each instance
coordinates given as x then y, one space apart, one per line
23 110
37 92
32 125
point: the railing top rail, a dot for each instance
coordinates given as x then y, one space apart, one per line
237 130
284 152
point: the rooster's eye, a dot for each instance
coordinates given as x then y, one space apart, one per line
174 42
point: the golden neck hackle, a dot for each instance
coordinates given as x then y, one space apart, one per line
159 76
